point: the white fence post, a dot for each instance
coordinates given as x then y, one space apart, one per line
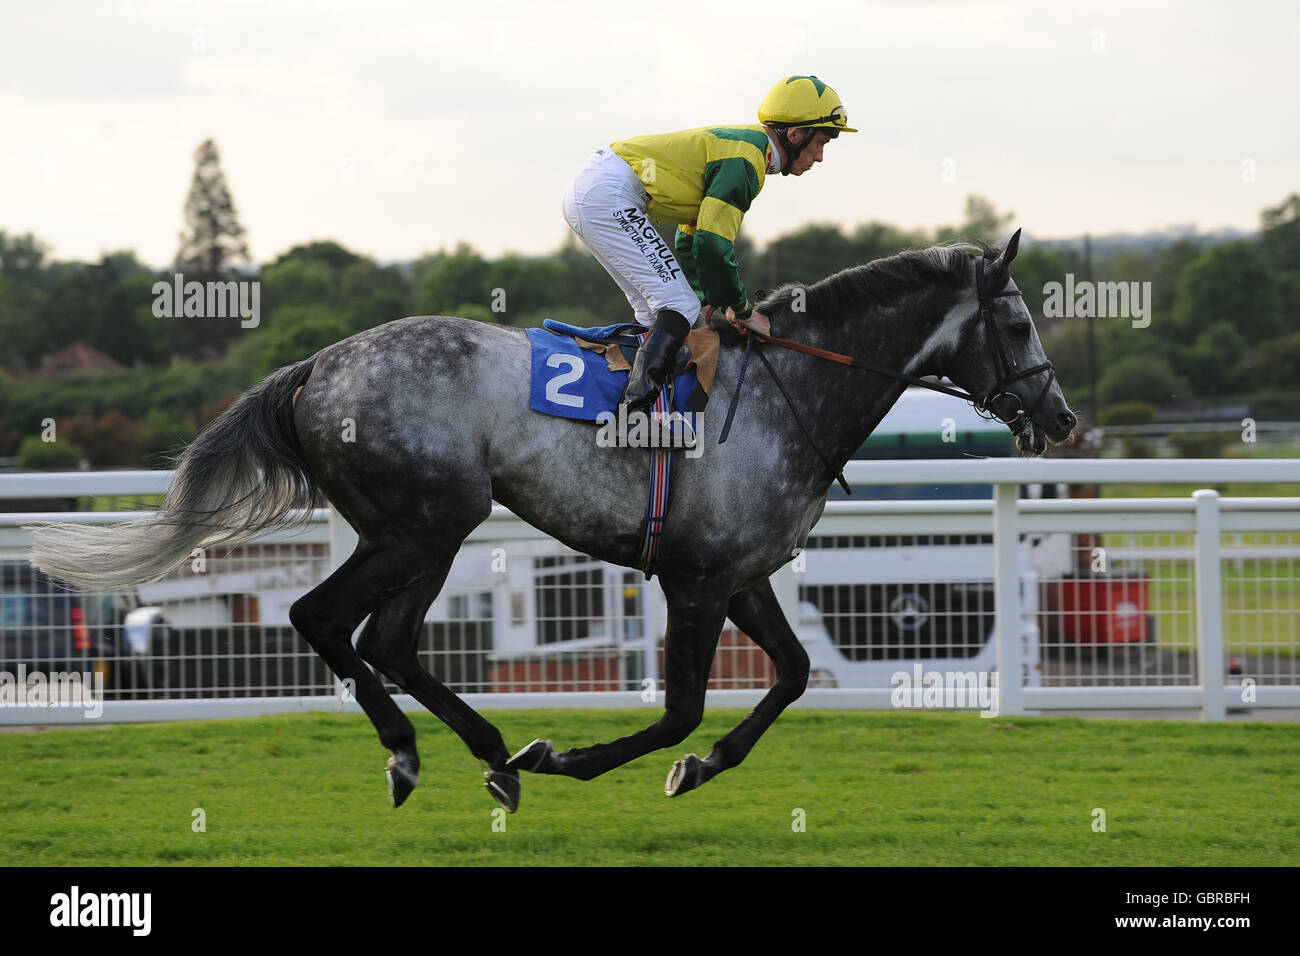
1209 606
785 585
654 616
343 541
1031 637
1006 595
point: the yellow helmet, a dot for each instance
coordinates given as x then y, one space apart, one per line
804 101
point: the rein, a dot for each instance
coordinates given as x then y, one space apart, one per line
852 362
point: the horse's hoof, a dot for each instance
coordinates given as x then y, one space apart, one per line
403 773
532 758
504 787
684 777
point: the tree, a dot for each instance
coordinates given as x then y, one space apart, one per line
364 279
1141 378
1279 362
1034 268
1213 364
296 332
1280 233
21 330
522 286
327 252
37 455
1234 283
588 285
372 294
1170 263
1279 237
110 440
474 310
213 238
808 255
877 240
296 282
20 257
445 280
1067 347
92 306
163 437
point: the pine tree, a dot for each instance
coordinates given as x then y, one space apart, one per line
213 238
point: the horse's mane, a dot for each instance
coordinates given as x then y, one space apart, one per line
882 281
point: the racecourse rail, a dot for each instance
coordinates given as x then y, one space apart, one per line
1203 516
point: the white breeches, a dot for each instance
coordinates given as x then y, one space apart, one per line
606 206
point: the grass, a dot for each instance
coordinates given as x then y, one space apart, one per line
1228 490
1234 450
875 788
119 502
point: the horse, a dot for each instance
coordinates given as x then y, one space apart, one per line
413 428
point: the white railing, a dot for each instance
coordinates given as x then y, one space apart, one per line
1203 516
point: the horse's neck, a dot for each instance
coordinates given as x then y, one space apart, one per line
902 337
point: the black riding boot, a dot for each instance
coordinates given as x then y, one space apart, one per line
654 360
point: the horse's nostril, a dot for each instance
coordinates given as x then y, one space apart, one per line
1066 420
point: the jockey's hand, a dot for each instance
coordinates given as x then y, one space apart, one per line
756 322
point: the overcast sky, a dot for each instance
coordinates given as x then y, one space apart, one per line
400 128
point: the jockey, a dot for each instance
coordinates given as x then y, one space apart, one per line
702 180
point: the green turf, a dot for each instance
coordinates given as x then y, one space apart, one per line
875 788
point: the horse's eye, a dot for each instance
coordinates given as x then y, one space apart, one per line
1020 330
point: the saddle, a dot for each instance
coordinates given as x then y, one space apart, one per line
619 344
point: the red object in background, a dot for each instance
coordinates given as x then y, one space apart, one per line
80 633
1104 608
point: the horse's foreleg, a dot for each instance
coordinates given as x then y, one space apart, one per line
694 624
756 612
390 641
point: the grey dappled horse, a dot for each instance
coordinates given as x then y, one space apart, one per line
443 427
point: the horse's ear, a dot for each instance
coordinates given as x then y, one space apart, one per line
997 272
1013 246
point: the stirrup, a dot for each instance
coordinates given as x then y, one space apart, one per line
651 368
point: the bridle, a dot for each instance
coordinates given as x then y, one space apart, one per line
1016 420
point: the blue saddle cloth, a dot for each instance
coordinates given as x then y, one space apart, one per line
572 382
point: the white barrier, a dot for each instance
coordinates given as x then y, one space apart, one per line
1204 516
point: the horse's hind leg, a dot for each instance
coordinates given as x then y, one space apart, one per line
757 613
390 641
327 616
695 617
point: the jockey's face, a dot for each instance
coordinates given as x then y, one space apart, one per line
810 154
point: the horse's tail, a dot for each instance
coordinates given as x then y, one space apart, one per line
242 475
